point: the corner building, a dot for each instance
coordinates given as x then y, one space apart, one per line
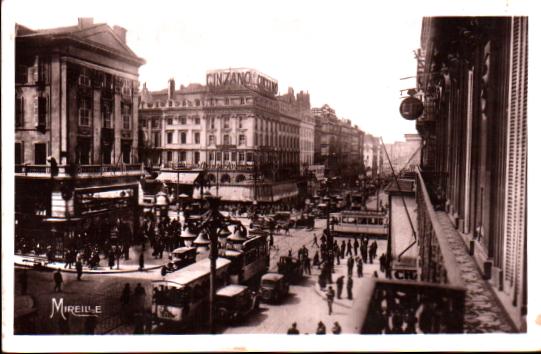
76 138
236 129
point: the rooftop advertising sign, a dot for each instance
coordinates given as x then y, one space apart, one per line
248 78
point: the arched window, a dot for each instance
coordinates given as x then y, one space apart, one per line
225 179
240 178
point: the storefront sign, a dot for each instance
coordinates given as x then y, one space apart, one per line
411 108
242 77
405 274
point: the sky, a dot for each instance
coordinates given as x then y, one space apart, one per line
348 54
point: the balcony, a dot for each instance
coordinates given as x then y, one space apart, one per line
436 303
81 171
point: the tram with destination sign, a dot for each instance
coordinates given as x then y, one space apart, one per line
369 223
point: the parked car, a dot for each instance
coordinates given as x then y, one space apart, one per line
234 302
291 268
181 257
274 287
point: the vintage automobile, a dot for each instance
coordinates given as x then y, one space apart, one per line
274 287
291 268
181 257
234 302
305 220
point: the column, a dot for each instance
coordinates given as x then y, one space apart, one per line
96 124
117 126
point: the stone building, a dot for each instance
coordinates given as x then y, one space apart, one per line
404 155
236 129
75 131
472 77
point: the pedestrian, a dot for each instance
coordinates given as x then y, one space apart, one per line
382 260
316 260
293 329
307 265
350 287
141 261
359 267
355 246
339 286
315 241
336 329
58 281
111 257
350 264
321 328
164 271
290 253
322 281
330 298
375 274
337 252
349 247
79 268
24 281
343 249
125 300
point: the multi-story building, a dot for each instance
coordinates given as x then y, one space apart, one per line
338 145
75 131
236 128
473 81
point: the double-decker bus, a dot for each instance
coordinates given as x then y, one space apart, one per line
248 259
369 223
180 299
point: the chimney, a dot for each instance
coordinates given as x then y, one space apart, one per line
120 32
171 90
85 22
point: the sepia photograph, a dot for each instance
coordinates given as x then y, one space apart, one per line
225 175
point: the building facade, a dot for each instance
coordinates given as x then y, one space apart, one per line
404 155
236 128
76 133
472 77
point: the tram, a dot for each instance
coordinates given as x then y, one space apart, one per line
369 223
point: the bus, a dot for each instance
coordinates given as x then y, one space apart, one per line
369 223
248 259
358 201
181 298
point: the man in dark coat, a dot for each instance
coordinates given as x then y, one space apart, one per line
349 287
58 281
359 267
293 329
141 261
355 246
349 247
350 264
79 267
339 286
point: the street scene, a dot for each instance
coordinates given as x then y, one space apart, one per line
220 200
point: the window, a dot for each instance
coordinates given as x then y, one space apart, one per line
19 153
211 156
169 156
241 156
226 156
84 79
233 156
169 137
169 121
227 101
226 122
197 121
155 123
250 157
107 115
126 116
212 123
226 140
196 137
183 137
196 157
183 120
126 151
240 122
197 103
106 152
84 148
84 112
242 100
212 140
242 139
126 88
19 111
156 139
218 156
21 75
40 154
181 156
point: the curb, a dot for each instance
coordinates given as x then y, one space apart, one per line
86 271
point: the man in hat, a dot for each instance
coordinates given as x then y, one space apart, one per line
293 329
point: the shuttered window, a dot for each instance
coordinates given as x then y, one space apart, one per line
515 203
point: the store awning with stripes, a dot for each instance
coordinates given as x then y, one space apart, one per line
177 177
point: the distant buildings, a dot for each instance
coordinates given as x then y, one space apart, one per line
404 155
76 132
373 155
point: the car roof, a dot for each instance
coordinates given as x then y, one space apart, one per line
231 290
272 276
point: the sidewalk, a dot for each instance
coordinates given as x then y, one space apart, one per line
125 266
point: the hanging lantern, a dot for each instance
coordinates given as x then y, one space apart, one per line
237 237
202 242
411 108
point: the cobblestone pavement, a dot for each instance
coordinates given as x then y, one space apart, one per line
483 312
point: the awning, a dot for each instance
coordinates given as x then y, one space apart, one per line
178 177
